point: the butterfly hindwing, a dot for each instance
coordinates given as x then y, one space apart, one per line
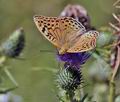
86 42
70 29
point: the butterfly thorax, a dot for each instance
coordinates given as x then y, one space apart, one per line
64 49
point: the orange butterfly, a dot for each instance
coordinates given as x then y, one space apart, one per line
66 33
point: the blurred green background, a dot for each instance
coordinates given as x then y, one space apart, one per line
37 85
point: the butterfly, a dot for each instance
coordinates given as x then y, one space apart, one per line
66 33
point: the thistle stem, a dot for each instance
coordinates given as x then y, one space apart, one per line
111 91
10 76
2 60
71 96
2 64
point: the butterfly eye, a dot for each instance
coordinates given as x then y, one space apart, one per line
96 33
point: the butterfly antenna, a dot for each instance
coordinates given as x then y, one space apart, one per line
47 51
19 58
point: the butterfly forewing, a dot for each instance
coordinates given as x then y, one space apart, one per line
46 26
59 30
86 42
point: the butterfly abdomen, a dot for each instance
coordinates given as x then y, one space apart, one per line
64 49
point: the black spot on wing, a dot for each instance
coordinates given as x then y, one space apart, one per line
50 36
43 29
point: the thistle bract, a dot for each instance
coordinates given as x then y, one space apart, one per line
69 78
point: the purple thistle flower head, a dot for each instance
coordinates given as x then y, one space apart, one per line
79 13
74 59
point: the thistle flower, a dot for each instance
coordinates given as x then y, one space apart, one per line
74 59
13 46
79 13
70 77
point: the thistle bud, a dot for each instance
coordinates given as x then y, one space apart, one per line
13 46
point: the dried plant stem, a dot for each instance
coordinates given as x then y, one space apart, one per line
115 4
112 81
117 64
112 45
115 27
116 17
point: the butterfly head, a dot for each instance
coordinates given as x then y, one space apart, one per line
95 33
35 18
62 51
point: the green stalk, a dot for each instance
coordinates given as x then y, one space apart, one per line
111 97
10 76
2 60
4 68
70 96
112 81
